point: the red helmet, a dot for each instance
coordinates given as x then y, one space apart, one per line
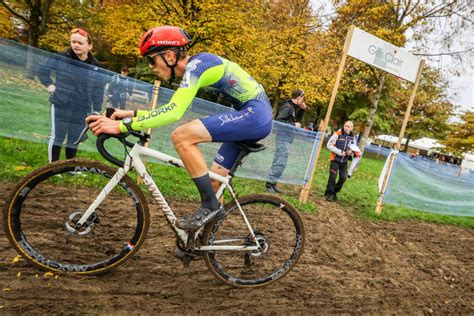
163 37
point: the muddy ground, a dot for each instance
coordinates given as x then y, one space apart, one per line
349 265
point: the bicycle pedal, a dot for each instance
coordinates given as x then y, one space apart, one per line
186 261
181 254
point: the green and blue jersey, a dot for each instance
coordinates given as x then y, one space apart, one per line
209 71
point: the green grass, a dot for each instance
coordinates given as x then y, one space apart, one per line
359 193
21 157
24 108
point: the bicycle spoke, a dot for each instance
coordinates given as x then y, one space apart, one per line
43 225
279 234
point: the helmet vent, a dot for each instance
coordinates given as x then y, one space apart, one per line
147 37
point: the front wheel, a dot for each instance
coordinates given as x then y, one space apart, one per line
279 232
41 218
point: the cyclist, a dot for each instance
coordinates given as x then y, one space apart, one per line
166 50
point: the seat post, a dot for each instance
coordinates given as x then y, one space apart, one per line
245 149
238 161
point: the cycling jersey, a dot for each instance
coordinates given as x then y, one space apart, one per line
209 71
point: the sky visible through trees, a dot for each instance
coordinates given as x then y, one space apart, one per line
458 69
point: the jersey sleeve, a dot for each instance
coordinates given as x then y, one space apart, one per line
331 145
174 110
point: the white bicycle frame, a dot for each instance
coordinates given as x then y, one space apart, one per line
134 160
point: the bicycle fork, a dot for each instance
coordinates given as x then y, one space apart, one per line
116 178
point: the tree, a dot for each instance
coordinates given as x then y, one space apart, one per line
361 90
33 15
461 138
34 19
431 109
363 87
7 29
250 33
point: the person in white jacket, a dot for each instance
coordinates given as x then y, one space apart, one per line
339 145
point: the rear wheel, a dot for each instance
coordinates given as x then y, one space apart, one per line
279 232
41 214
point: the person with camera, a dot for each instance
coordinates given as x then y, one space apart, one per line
291 113
339 145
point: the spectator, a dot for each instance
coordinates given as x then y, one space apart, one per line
339 145
74 93
291 112
118 89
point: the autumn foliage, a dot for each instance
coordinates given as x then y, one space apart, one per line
283 44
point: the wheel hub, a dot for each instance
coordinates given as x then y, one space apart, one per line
74 227
263 246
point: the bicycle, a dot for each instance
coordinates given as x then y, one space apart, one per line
257 241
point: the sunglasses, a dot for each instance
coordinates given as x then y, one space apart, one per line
80 31
150 59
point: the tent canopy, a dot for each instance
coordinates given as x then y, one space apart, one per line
424 143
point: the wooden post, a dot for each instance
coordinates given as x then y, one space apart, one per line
154 101
379 206
307 185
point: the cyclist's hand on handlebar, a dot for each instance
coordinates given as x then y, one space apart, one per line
120 114
99 124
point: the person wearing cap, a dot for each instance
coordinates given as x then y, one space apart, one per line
166 50
291 112
118 89
75 91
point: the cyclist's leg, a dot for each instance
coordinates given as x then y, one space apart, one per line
185 139
223 127
220 170
223 162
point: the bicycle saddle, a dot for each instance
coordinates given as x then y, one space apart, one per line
251 148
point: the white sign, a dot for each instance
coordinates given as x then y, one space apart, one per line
378 53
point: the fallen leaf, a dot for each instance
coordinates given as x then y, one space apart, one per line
48 274
6 289
18 274
18 168
16 259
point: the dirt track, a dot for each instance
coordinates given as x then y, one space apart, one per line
349 266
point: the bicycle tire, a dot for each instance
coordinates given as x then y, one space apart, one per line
281 234
41 212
